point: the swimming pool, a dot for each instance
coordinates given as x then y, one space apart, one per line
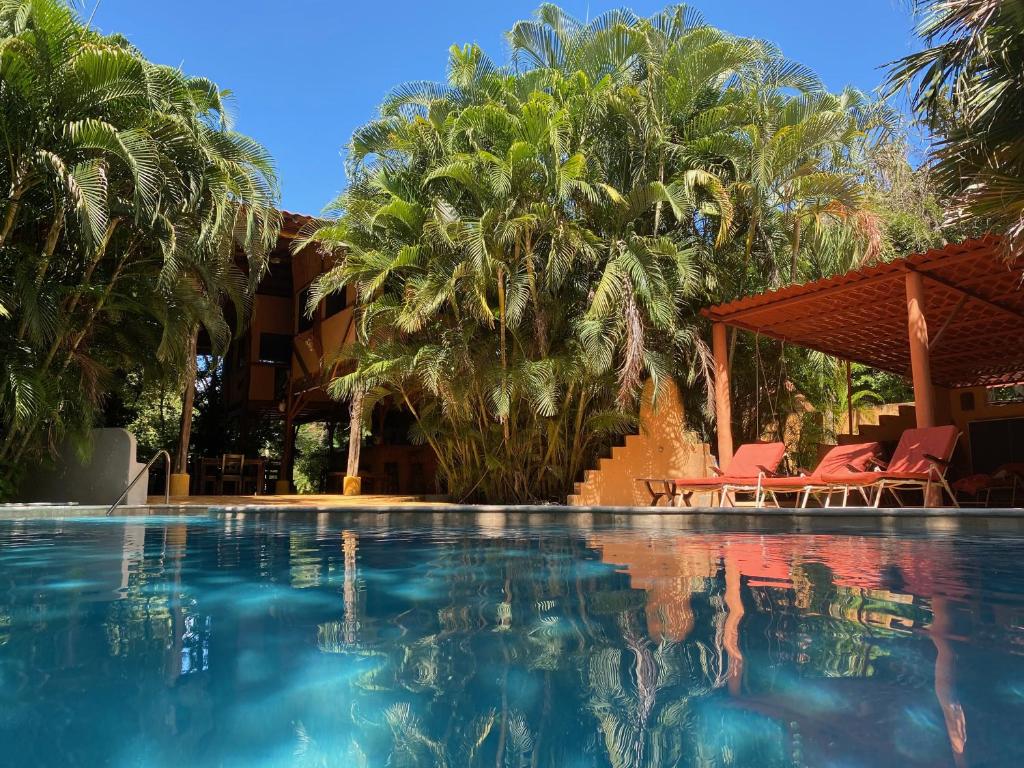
225 639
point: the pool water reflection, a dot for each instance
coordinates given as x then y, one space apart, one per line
338 640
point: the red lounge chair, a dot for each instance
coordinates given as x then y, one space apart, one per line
840 460
920 461
750 464
1005 481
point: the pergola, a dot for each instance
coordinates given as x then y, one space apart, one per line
952 317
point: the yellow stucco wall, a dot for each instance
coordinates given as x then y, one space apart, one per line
663 448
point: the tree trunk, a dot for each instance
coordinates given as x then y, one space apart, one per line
187 402
18 189
796 249
504 350
355 433
52 237
657 205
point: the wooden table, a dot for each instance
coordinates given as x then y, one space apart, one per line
660 488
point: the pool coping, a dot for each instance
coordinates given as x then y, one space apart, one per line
61 511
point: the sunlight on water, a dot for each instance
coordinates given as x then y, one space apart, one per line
322 640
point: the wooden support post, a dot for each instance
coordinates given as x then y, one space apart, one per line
920 363
723 404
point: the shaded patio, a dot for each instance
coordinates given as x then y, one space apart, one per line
951 320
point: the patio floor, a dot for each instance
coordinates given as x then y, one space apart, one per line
304 501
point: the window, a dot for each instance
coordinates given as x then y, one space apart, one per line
275 348
335 302
304 322
1005 395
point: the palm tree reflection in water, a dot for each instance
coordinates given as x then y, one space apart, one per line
421 641
692 650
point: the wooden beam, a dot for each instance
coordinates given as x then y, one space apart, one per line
300 402
287 450
933 342
892 273
974 297
841 354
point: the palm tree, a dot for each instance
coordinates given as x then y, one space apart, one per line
531 243
966 87
127 192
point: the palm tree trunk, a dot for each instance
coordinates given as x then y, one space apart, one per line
748 251
442 459
12 213
355 433
94 312
796 249
52 238
503 346
657 205
72 305
187 403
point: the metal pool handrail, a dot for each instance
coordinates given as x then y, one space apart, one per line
167 480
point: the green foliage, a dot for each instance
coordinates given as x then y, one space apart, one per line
966 87
319 448
125 194
885 387
149 409
532 242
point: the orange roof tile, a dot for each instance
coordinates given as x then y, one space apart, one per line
974 305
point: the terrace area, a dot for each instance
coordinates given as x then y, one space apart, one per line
950 319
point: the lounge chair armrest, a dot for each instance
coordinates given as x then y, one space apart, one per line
717 471
803 471
878 463
765 472
936 460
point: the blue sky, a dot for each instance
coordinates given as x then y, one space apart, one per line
305 73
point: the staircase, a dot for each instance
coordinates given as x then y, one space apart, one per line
661 449
887 430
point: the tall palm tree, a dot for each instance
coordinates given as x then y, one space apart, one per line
531 243
966 86
127 192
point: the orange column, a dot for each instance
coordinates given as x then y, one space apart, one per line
733 617
723 405
920 364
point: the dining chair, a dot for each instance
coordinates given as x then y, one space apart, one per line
231 472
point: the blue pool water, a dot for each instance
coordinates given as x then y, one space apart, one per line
420 640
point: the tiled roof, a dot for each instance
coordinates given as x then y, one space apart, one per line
974 306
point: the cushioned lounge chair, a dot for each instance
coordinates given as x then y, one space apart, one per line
920 461
750 464
1006 483
840 460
